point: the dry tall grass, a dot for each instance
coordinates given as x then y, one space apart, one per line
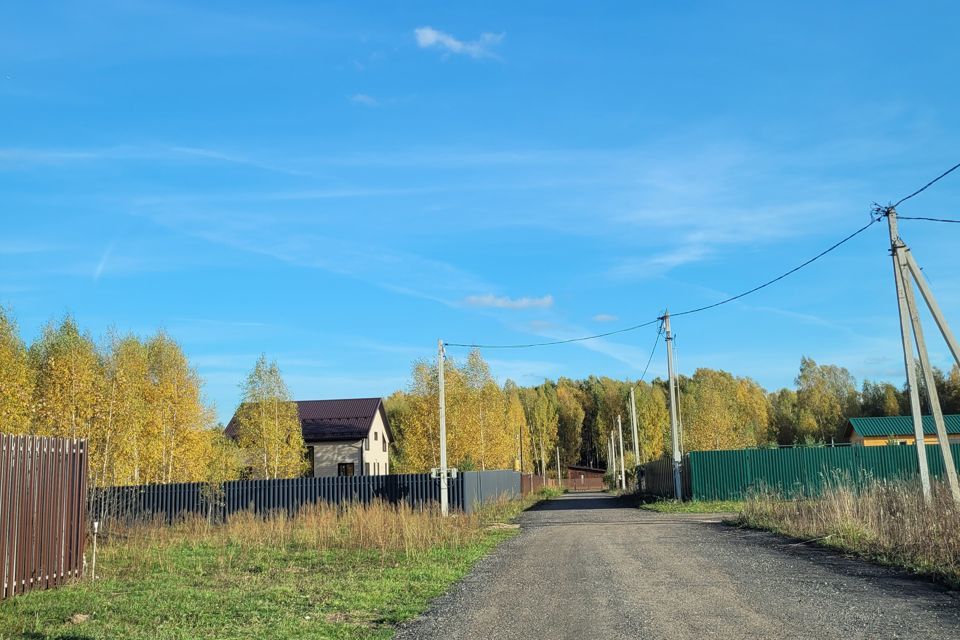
377 527
888 522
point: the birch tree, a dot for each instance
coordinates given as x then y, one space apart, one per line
269 426
69 384
16 379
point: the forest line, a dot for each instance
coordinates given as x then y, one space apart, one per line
139 403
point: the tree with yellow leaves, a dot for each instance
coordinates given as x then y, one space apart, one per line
69 385
516 420
482 424
269 428
178 430
653 421
16 379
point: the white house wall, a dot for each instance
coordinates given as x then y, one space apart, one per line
378 459
327 455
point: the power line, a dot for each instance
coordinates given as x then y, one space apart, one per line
681 313
834 246
873 221
547 344
652 351
878 214
900 217
928 185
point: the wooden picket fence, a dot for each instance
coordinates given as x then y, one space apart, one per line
43 488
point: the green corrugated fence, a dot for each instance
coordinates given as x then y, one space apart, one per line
733 475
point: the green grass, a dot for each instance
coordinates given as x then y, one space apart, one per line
224 586
694 506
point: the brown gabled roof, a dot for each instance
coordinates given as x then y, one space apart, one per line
332 420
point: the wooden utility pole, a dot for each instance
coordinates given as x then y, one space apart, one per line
674 429
623 471
633 427
444 495
906 271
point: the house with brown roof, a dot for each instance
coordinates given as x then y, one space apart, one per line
344 437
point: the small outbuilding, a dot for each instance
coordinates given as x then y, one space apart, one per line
872 432
349 437
585 478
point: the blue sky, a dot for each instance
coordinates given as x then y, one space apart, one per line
340 185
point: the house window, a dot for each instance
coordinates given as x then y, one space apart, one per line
311 460
345 469
376 434
384 444
366 444
366 468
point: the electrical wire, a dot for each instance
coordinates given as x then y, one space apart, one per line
900 217
928 185
834 246
547 344
652 351
877 215
873 221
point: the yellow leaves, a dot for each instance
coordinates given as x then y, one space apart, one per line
269 430
722 412
138 403
16 379
653 421
69 382
482 420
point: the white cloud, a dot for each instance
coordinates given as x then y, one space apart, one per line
503 302
428 37
365 100
604 317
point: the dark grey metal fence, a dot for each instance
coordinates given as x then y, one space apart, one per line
170 502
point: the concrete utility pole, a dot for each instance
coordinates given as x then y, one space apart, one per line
444 495
934 307
633 426
623 471
674 430
559 477
904 267
613 452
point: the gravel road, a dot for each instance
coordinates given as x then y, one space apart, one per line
589 566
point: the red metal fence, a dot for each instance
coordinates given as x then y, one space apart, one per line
583 482
43 490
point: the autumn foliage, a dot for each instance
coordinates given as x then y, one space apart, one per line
137 401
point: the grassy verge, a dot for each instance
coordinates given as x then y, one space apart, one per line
322 574
694 506
887 523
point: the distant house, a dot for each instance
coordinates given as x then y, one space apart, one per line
873 432
585 478
343 437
